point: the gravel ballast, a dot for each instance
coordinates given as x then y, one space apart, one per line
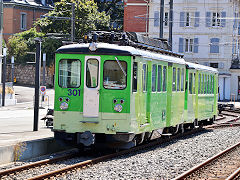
165 161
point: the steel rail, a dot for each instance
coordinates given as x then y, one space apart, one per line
208 161
234 174
110 156
35 164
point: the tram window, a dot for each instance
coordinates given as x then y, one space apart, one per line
205 80
164 78
193 83
202 84
144 85
154 69
92 73
69 73
178 79
174 80
159 87
199 83
190 83
114 75
182 80
210 84
213 85
134 77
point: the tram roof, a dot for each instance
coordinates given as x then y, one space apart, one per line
112 49
201 67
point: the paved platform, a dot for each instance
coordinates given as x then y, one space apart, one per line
16 126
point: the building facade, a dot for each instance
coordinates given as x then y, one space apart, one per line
206 32
20 15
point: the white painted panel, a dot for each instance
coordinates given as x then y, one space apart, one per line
220 84
227 88
91 95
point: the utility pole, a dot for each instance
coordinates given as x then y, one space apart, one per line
1 33
38 42
73 23
12 62
4 75
44 66
161 18
170 23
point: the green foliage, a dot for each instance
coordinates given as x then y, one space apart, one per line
114 8
87 18
20 44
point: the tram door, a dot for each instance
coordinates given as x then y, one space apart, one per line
91 86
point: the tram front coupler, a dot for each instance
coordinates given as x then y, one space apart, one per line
86 138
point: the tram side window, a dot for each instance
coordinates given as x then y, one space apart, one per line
193 83
206 84
144 85
182 80
114 74
159 87
134 77
213 84
202 84
164 78
178 79
69 73
174 80
199 84
190 83
154 69
210 84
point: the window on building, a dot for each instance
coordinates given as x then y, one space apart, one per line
189 19
216 19
23 21
159 87
214 65
156 19
166 19
154 69
214 45
188 45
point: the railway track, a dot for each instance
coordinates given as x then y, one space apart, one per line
221 166
91 161
86 163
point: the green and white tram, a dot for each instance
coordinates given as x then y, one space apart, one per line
122 95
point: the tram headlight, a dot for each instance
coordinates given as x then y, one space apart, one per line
64 106
118 107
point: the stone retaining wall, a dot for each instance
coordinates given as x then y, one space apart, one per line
25 74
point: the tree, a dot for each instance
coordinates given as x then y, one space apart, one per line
114 8
21 43
87 18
